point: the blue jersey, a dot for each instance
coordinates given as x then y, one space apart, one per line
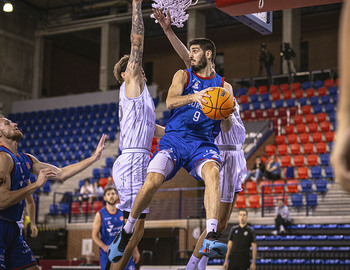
190 119
19 179
111 224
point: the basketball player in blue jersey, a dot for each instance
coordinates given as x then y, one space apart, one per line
137 119
188 142
234 167
15 169
107 223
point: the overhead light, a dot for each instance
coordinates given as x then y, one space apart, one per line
7 7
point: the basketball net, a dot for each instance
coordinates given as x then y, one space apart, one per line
176 9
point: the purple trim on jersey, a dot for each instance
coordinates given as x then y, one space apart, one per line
204 78
222 82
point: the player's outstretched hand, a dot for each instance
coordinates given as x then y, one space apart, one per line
199 96
164 22
44 174
101 145
34 230
340 158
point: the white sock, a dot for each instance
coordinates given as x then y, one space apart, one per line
212 224
130 224
192 263
202 265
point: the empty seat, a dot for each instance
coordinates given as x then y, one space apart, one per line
252 90
306 109
282 112
251 187
297 200
302 101
329 107
262 89
287 94
282 149
242 91
306 185
265 187
310 92
278 186
254 98
265 97
329 172
295 149
325 158
256 105
290 102
259 114
284 87
312 160
270 112
273 88
316 137
313 127
329 82
303 172
310 118
86 207
325 99
270 149
289 129
97 205
247 115
298 119
325 126
292 138
295 86
245 107
268 201
313 100
321 185
75 208
280 139
106 172
308 148
285 161
96 173
279 103
299 161
301 128
292 186
254 201
299 93
321 117
304 137
317 108
243 99
321 148
241 201
276 95
333 90
311 200
316 172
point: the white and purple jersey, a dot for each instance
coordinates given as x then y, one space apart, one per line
137 120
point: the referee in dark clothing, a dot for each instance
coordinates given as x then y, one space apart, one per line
241 238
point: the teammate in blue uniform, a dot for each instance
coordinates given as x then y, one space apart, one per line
189 143
15 186
107 223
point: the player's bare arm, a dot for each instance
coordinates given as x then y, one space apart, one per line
175 98
71 170
179 47
159 131
31 212
134 77
96 226
8 197
226 124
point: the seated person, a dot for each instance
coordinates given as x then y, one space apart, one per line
86 190
272 171
282 218
98 191
257 170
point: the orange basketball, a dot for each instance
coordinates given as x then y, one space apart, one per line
220 104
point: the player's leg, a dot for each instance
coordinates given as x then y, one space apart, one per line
135 239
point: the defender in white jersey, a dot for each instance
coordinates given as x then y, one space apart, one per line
137 127
233 170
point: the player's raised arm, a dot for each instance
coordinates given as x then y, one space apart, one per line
226 124
134 75
179 47
175 98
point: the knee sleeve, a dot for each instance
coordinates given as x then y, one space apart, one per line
162 163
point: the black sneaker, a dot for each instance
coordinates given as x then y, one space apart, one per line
117 248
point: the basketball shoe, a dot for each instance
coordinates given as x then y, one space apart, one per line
117 248
212 247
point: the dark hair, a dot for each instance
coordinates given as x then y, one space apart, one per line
86 180
244 210
121 67
109 188
205 44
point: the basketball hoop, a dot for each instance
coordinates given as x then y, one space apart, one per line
176 9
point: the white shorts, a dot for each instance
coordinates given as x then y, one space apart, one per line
129 174
232 174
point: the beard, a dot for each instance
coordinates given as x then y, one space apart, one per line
112 202
18 136
201 64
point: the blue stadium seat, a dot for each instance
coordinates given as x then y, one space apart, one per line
59 156
319 237
49 157
330 226
260 237
64 208
264 261
53 208
293 248
329 107
242 91
302 101
325 99
317 108
290 102
65 163
281 261
325 159
316 172
47 187
77 155
306 185
267 104
256 105
310 249
268 227
254 98
278 248
278 103
311 199
109 162
106 172
86 154
313 100
298 226
344 226
306 85
303 237
342 248
265 97
347 237
287 237
297 261
272 237
245 106
329 172
335 237
297 200
313 226
81 183
96 173
263 248
321 185
318 84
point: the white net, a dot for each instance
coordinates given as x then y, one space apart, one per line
176 9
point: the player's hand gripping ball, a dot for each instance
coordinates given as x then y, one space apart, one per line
220 104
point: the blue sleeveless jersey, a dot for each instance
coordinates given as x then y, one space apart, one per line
19 179
110 225
190 119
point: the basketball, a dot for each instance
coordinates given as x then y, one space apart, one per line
220 104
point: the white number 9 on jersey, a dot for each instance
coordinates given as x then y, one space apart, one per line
196 116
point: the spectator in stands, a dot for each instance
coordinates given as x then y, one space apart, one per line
89 260
110 182
266 59
98 191
240 239
282 218
86 190
341 151
258 170
273 171
288 54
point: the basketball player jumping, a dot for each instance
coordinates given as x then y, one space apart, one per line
188 142
15 169
137 127
234 167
